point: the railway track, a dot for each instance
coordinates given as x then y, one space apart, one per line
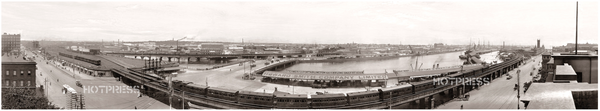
218 103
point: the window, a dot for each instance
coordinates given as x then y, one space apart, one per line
28 83
7 83
21 72
14 83
28 72
21 83
15 73
7 73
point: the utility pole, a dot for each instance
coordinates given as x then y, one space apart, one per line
518 88
170 92
390 101
183 100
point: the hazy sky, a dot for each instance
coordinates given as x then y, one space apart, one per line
305 22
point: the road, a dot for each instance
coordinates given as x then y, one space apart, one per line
57 76
499 94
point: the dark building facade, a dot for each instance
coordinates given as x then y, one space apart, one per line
585 66
438 45
36 44
211 48
17 72
10 42
538 44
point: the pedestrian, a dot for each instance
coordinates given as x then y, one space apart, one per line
461 106
135 107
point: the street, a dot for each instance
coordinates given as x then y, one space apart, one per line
499 94
64 75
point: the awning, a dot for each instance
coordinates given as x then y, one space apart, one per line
303 76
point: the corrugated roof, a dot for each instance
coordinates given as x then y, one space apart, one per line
255 93
223 89
327 95
363 93
396 88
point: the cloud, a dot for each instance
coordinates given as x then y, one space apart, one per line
127 7
320 22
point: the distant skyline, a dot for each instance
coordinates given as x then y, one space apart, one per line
331 22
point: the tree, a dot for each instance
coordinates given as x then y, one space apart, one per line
13 98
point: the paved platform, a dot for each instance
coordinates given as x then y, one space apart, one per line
554 95
230 77
499 94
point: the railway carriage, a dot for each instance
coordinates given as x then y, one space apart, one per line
328 100
195 88
397 91
361 97
256 99
423 85
222 93
291 101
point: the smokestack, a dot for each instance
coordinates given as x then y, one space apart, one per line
576 23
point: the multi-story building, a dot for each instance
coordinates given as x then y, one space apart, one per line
211 48
584 68
10 42
36 44
568 67
18 72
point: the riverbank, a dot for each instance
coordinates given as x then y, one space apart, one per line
372 58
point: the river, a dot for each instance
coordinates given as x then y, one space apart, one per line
400 63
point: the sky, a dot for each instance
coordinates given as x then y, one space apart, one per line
321 22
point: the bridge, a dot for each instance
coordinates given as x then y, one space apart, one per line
154 84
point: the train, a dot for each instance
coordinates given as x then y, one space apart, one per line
91 61
283 100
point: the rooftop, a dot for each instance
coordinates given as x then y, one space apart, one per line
565 70
554 95
327 95
15 60
255 93
546 53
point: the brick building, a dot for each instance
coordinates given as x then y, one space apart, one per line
10 42
18 72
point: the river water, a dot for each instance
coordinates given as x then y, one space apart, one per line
400 63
